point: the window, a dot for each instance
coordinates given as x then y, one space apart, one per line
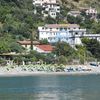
26 46
61 28
50 28
76 33
65 28
43 28
68 28
50 38
58 9
54 38
66 38
46 28
82 33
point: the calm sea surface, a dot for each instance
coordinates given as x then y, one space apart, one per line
50 87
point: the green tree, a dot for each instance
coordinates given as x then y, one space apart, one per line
44 41
87 23
63 48
93 46
50 20
62 60
15 47
8 44
74 20
96 28
71 19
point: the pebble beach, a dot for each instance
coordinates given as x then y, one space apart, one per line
24 70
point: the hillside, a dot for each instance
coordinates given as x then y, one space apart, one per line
81 3
17 16
18 21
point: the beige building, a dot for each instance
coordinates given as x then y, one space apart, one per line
40 48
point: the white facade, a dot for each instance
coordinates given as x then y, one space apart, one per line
93 36
28 47
50 7
91 11
61 32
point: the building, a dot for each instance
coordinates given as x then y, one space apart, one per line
27 44
43 48
90 11
74 13
36 46
50 7
61 32
92 36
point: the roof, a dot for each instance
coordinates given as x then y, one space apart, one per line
62 25
84 8
28 42
75 12
51 3
45 47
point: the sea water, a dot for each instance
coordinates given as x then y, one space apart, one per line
50 87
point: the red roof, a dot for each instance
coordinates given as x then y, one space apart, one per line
45 47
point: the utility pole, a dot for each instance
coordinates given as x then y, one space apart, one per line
31 39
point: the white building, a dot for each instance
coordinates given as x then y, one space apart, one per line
50 7
61 32
90 11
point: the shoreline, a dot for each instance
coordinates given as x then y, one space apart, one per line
32 70
46 73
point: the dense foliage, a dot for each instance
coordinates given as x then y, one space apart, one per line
93 46
19 19
8 44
